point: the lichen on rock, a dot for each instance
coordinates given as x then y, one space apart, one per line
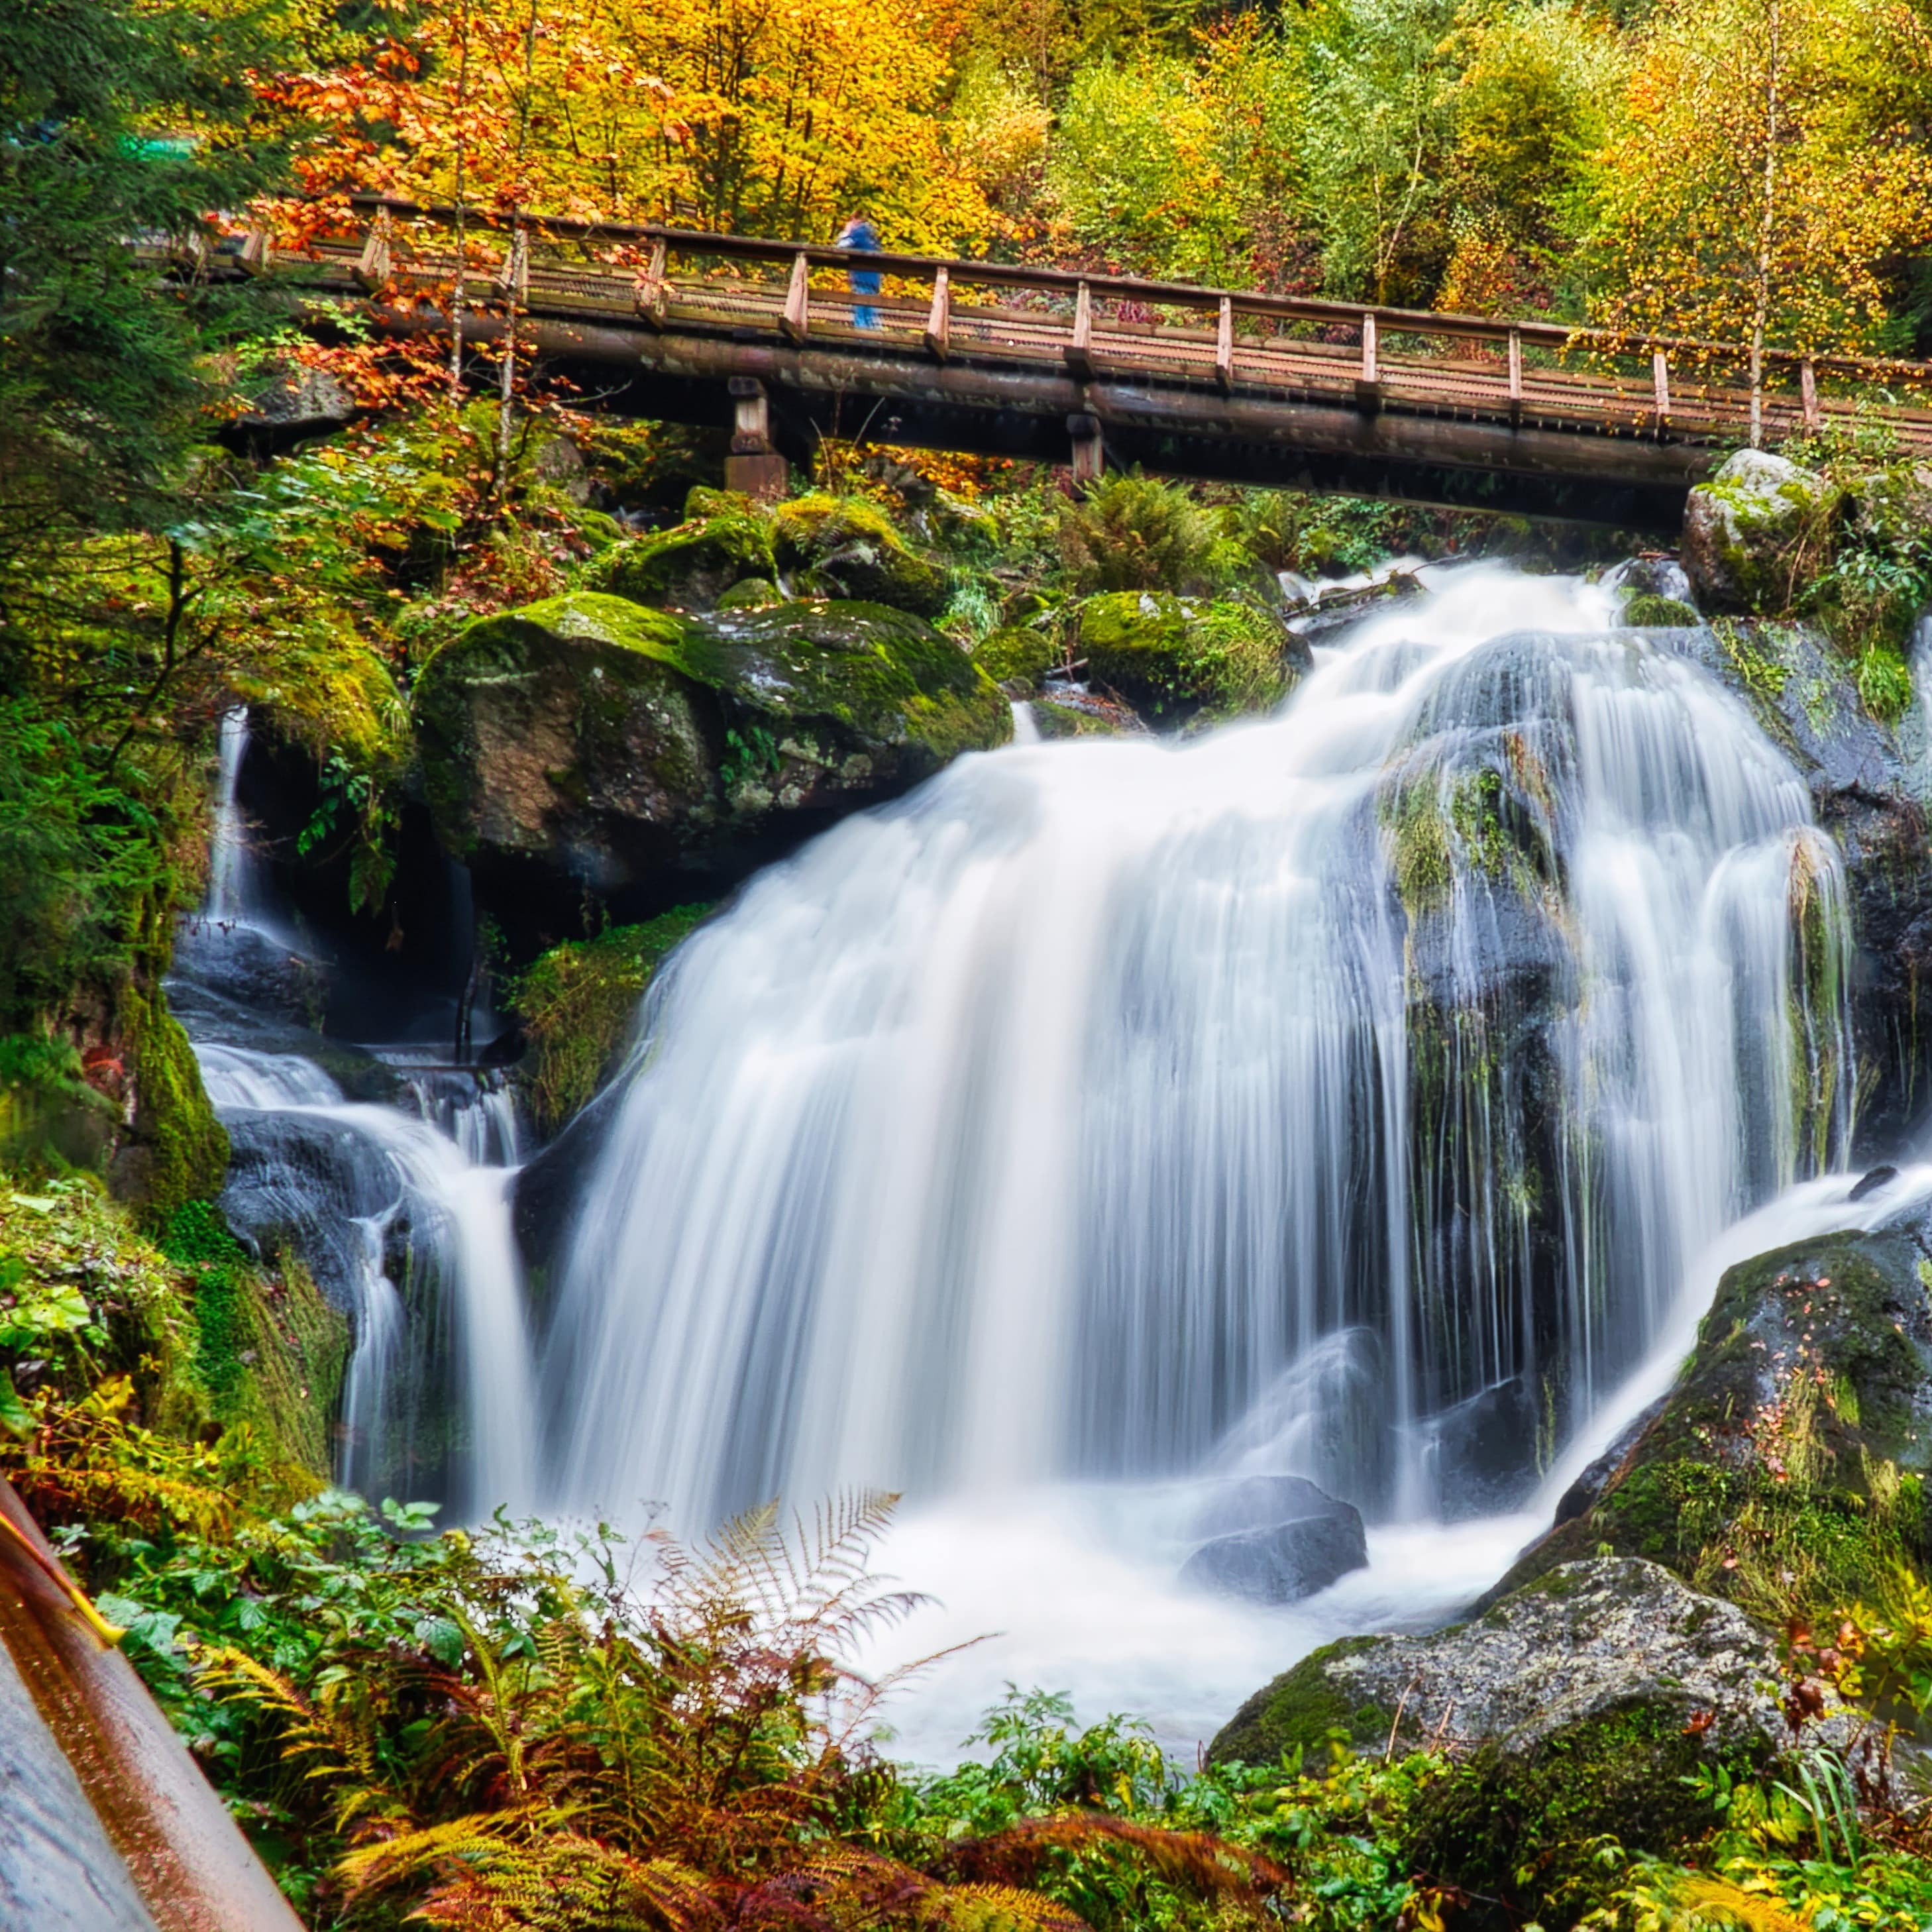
1745 529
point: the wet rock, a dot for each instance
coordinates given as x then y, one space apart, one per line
1017 657
1790 1460
589 744
1484 1450
1274 1540
1582 1495
1867 782
1740 526
314 1186
1576 1708
244 966
1649 576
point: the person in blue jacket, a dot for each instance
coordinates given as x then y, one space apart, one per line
860 234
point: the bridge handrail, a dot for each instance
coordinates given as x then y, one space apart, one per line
1068 282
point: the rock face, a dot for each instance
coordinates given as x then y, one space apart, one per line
1740 526
690 567
1576 1708
1275 1540
1791 1459
591 742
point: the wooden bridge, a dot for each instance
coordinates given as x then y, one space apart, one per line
767 338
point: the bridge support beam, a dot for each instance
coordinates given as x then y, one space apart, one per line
1090 449
753 467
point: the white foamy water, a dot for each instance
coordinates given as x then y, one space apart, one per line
1100 1111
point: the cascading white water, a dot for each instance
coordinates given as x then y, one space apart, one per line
1343 1094
459 1217
234 892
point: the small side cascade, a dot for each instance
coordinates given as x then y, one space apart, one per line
234 881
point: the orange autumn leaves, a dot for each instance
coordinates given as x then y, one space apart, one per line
769 117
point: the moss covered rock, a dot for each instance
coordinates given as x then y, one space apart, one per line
1016 656
1178 659
568 737
577 1004
1743 529
177 1150
845 547
593 744
1789 1466
1575 1709
723 541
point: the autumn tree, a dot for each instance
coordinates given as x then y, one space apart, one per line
1729 204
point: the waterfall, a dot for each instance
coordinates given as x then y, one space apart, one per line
1345 1093
234 892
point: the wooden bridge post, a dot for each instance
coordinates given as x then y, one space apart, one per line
257 250
1368 386
1080 349
1090 451
372 270
797 316
1660 383
1808 391
1516 376
1224 346
753 467
939 322
651 298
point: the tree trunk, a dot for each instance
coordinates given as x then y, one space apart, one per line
1767 225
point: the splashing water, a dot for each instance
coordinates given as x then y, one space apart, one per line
1346 1094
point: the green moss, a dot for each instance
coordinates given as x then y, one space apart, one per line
184 1148
846 547
1522 1828
578 1002
1018 654
1787 1472
693 565
1300 1710
881 674
1648 611
1181 658
752 593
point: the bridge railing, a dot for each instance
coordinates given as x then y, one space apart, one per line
1089 323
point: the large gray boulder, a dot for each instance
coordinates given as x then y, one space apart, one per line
1576 1708
1742 528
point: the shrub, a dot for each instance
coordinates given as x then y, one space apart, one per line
1135 532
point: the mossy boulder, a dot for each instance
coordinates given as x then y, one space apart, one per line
1015 656
845 547
1789 1464
177 1150
587 744
567 737
1743 530
1178 659
1574 1709
723 542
